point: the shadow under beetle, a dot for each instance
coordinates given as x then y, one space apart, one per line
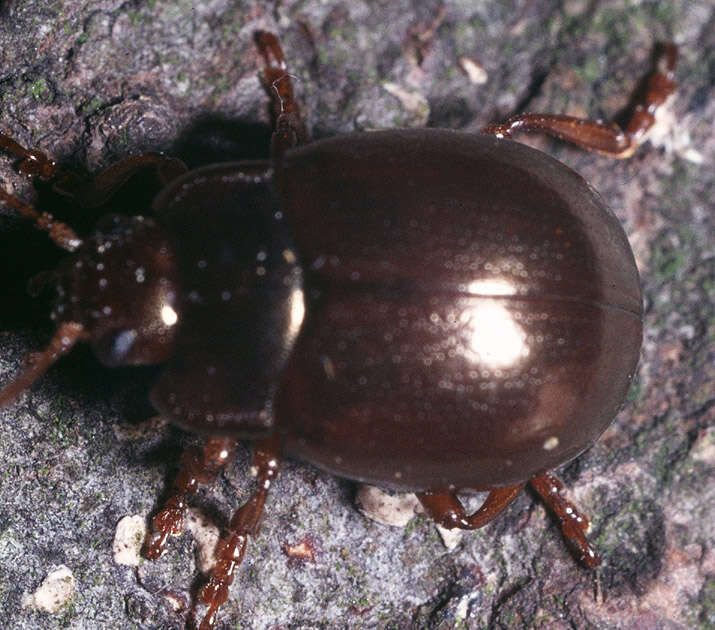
426 310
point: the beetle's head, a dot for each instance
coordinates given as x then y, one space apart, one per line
120 286
117 291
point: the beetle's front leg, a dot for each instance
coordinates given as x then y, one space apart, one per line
595 135
94 192
88 193
60 233
245 522
35 163
32 162
197 466
97 191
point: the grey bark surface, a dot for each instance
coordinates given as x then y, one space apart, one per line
91 82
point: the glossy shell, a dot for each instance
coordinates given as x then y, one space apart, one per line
473 310
240 302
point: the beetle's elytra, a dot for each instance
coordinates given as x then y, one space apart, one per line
426 310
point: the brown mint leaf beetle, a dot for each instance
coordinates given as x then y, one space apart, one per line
426 310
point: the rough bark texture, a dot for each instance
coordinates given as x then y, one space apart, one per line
90 82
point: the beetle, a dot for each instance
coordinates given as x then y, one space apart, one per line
426 310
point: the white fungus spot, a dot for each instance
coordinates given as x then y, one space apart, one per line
551 443
411 100
475 72
128 539
206 535
450 537
388 509
53 594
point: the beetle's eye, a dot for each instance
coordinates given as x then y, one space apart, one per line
119 346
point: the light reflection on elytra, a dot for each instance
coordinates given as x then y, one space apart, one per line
297 313
493 338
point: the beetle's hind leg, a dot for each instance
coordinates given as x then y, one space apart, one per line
595 135
245 522
198 465
447 510
574 524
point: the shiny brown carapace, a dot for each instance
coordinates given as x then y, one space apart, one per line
425 310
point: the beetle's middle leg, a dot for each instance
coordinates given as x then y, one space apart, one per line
198 465
245 522
595 135
288 126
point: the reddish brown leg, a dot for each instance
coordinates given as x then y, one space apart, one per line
60 233
67 335
289 130
198 465
447 510
97 191
594 135
246 521
37 164
34 163
89 194
573 523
